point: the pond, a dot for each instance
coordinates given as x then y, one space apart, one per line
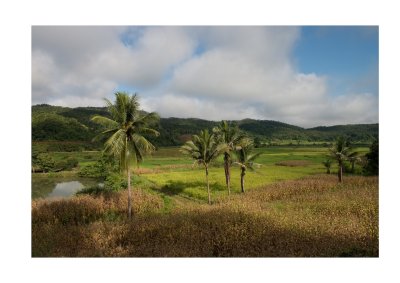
58 187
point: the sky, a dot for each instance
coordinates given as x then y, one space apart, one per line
306 76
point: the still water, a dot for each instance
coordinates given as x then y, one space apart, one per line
58 187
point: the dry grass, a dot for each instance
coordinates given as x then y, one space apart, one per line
84 209
309 217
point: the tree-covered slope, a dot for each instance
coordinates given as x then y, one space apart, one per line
73 124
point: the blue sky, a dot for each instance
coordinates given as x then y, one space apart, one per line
348 55
306 76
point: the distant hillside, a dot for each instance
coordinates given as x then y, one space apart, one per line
356 132
55 123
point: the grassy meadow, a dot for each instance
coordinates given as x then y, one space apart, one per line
291 208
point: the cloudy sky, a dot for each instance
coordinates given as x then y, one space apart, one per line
306 76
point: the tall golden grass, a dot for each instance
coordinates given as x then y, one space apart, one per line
311 217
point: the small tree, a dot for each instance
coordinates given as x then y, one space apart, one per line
340 151
245 159
203 148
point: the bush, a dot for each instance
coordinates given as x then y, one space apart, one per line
372 165
45 162
66 164
100 169
115 182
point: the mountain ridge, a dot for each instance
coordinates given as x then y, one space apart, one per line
48 123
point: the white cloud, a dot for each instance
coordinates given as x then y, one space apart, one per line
91 62
205 72
170 105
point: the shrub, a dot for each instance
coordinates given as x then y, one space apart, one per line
45 162
99 169
372 165
115 182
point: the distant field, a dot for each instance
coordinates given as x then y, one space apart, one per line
189 180
171 171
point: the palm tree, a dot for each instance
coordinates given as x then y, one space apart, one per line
231 137
125 131
245 159
340 151
203 148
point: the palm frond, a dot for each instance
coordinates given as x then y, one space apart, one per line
150 131
116 143
142 143
104 121
148 119
104 133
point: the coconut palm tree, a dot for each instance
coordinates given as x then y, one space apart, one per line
125 131
203 148
340 151
231 136
245 159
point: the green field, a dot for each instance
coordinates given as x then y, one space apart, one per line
172 173
290 208
176 174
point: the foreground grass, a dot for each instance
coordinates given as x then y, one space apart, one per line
314 216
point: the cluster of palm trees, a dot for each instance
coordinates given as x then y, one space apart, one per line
225 139
125 141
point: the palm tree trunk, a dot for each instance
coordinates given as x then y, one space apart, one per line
129 194
227 173
208 186
243 173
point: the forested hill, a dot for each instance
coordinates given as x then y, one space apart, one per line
55 123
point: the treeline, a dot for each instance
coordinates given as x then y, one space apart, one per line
64 124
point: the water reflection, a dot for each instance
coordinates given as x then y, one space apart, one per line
66 189
56 187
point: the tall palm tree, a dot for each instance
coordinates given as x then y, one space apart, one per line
203 148
340 151
231 136
245 159
125 131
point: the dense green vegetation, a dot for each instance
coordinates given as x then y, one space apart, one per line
63 124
